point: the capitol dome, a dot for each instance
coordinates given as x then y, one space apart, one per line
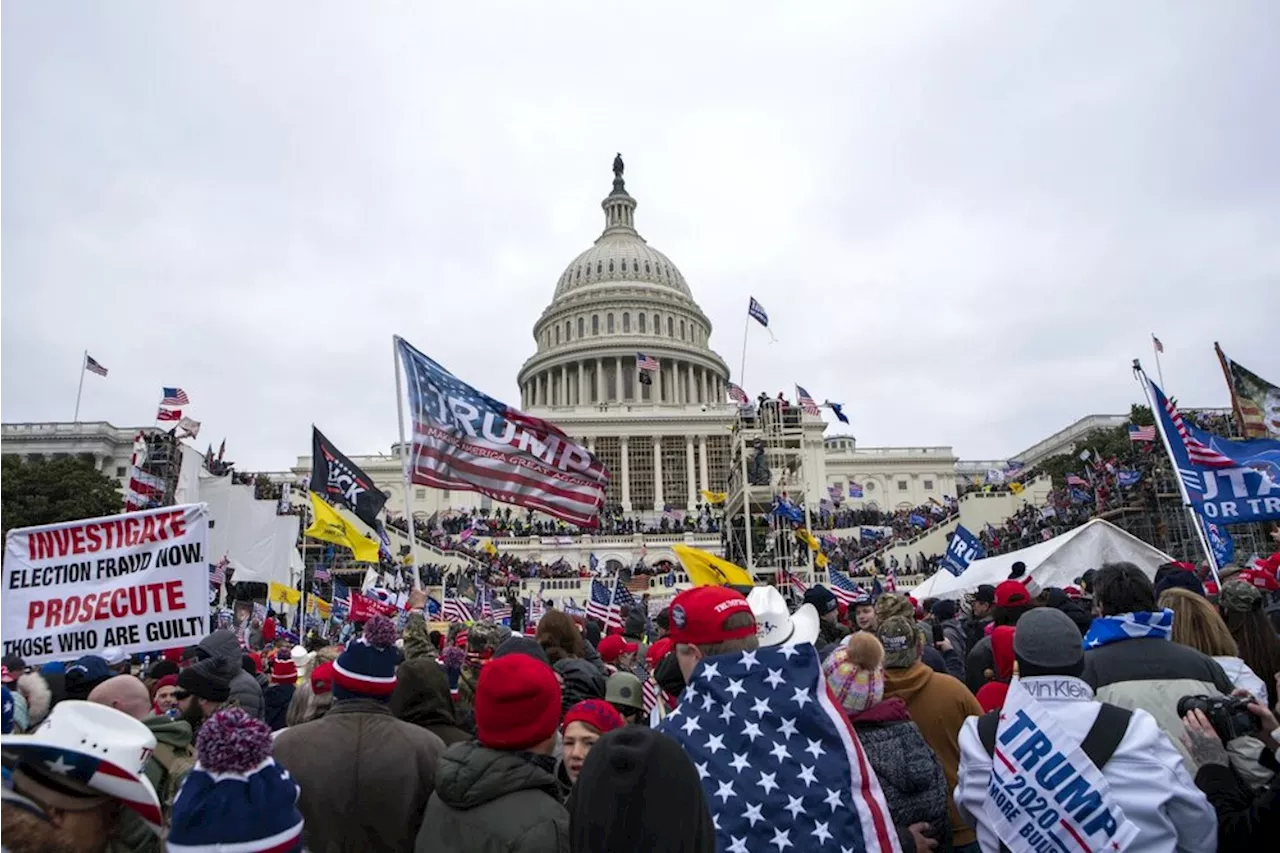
616 302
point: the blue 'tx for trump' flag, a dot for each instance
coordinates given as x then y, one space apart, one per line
756 310
779 762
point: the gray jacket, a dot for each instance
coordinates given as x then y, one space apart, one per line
223 647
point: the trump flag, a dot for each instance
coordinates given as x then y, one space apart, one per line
464 439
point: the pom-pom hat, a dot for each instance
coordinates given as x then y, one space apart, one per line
283 671
236 798
855 672
367 668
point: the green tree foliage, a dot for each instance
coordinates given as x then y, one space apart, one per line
48 491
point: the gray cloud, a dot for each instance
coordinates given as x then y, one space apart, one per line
964 222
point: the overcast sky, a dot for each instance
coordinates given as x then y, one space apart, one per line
964 219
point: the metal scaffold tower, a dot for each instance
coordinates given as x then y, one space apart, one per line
768 450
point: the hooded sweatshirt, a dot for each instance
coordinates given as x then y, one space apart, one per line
639 792
421 697
939 705
223 647
581 681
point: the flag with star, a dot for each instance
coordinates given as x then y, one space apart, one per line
780 763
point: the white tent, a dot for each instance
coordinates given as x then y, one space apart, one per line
1054 562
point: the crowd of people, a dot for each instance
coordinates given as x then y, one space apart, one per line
1157 694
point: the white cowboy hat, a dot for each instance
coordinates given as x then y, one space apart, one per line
93 747
776 625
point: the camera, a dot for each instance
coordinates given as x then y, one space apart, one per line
1229 715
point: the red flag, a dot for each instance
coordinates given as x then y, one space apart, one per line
169 415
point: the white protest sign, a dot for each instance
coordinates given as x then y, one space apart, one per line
1045 794
139 581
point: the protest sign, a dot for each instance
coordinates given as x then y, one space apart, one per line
1045 793
138 581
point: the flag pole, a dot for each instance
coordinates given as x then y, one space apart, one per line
81 389
404 465
1231 388
1155 349
742 379
1173 463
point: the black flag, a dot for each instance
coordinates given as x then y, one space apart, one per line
340 481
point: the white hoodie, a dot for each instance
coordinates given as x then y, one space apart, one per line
1241 676
1146 776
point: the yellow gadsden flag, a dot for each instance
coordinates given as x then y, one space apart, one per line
1016 488
282 594
709 570
331 527
714 498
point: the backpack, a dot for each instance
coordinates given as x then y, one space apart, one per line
174 764
1099 744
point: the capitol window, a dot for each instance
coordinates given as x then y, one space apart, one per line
902 485
682 330
626 322
646 269
611 265
557 333
582 327
609 324
624 264
641 317
657 325
568 330
928 485
599 267
671 327
595 324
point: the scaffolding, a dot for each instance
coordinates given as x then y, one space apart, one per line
767 466
162 460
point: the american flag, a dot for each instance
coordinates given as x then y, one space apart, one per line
1197 451
806 402
466 440
456 610
737 395
1073 480
605 609
1156 343
1142 433
891 579
218 572
843 587
650 689
796 584
646 363
779 761
91 365
173 397
321 574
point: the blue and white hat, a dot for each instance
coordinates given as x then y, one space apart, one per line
236 797
367 669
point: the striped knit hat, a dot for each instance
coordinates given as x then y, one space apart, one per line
367 669
855 672
236 797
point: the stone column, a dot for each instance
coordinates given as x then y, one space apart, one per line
626 474
617 379
702 384
599 380
658 500
690 385
582 385
702 462
564 384
688 458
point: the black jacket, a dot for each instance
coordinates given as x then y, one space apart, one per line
422 697
1245 820
487 801
275 701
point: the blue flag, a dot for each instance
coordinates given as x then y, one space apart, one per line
837 409
756 310
1128 479
778 759
1079 496
1220 542
916 520
871 533
788 510
593 561
1225 480
962 550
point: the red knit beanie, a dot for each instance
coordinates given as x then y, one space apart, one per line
597 713
517 703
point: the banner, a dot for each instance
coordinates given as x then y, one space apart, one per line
340 481
962 550
1231 482
464 439
1058 803
364 608
138 581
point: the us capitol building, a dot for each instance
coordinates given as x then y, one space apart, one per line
664 441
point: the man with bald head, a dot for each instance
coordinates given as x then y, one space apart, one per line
174 755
